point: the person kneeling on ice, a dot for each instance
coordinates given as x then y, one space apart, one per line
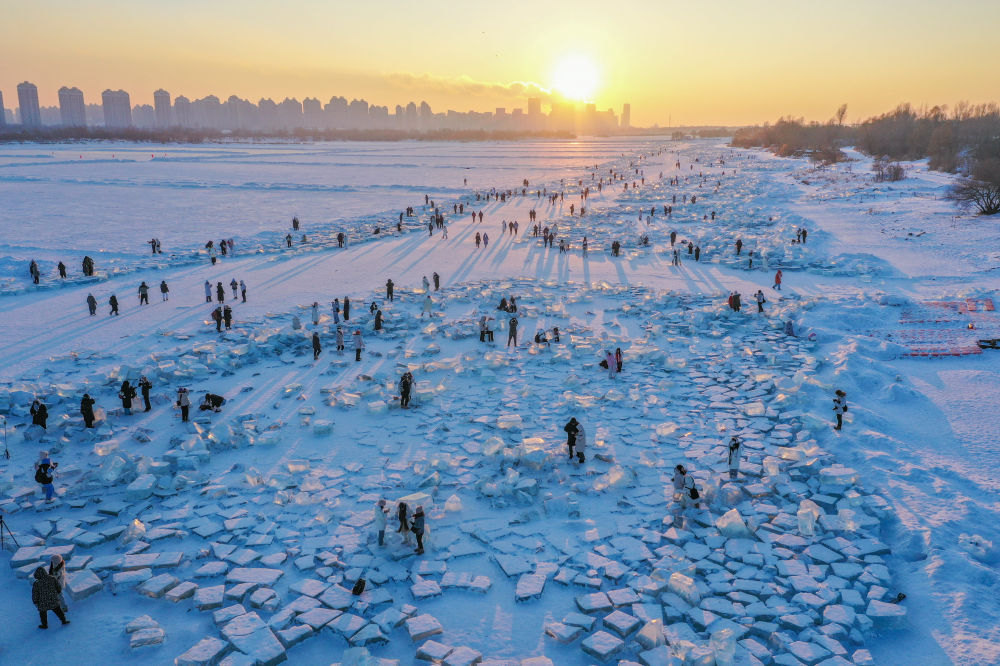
733 458
212 402
540 338
44 474
685 492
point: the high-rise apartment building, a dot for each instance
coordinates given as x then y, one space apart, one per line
626 116
27 100
3 114
161 103
72 110
182 111
117 108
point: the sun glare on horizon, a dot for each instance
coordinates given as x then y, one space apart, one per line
575 77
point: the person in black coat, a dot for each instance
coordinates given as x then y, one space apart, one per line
317 348
46 594
87 410
39 413
145 385
62 269
347 308
113 302
417 527
405 386
512 331
571 431
220 292
378 320
127 394
91 304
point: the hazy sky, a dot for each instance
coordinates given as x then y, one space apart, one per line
708 62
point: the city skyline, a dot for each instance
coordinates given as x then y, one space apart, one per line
116 111
730 64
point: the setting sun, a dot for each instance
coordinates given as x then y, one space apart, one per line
575 77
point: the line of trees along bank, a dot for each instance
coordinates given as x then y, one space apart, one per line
964 140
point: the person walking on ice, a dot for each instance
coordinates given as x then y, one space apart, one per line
243 290
759 296
426 283
512 332
184 402
315 313
317 348
46 595
733 458
44 474
777 280
405 387
389 284
113 302
839 408
87 410
428 306
91 304
233 284
143 294
340 341
164 290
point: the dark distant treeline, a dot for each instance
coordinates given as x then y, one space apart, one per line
964 140
186 135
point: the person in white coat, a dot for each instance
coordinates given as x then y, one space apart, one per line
359 344
208 291
340 341
734 455
839 407
381 513
612 365
581 444
315 313
427 284
428 305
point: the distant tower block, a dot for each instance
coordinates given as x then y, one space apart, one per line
626 116
161 103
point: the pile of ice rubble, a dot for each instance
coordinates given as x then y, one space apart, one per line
782 566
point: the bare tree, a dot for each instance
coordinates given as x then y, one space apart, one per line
841 112
969 193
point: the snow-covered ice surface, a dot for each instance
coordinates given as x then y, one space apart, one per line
238 537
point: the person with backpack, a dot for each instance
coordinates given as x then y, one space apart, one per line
145 385
759 297
317 348
840 408
44 474
87 410
381 516
46 594
733 457
39 414
127 394
417 527
164 290
685 491
184 402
